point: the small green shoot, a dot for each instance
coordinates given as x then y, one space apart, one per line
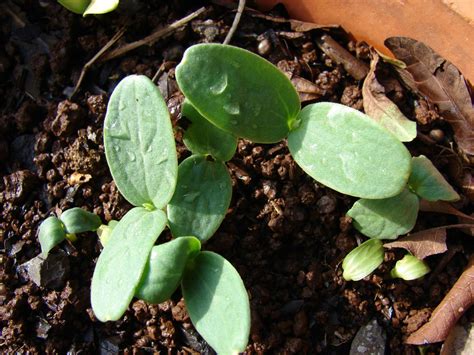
428 183
139 143
238 91
51 233
120 265
89 7
349 152
77 220
165 268
105 231
386 218
410 268
202 137
364 259
201 199
217 303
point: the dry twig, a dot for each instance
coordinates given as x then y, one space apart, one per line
235 23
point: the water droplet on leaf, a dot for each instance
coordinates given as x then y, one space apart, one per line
232 108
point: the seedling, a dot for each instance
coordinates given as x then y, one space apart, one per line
364 259
89 7
54 230
409 268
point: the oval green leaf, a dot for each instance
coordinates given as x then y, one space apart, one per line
165 267
347 151
364 259
139 143
238 91
428 183
217 303
97 7
201 199
51 233
409 268
387 218
76 6
202 137
120 265
77 220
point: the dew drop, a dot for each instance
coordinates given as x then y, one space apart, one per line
348 166
191 196
116 148
232 108
131 156
254 126
219 87
234 122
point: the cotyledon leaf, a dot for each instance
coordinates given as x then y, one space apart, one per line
77 220
217 302
97 7
201 199
202 137
139 143
238 91
165 268
347 151
51 233
120 265
386 218
76 6
428 183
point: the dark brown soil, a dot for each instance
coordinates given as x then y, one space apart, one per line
285 233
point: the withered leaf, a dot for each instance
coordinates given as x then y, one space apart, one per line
306 89
380 108
444 207
441 83
452 307
422 244
296 25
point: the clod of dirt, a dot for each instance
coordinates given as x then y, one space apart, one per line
51 272
109 346
68 117
18 186
370 339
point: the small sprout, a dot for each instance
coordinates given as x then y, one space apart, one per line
51 233
349 152
76 220
105 231
386 218
364 259
72 237
428 183
89 7
409 268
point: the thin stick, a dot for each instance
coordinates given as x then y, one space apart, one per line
153 37
235 24
91 62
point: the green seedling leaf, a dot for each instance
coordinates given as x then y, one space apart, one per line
139 143
165 267
104 232
97 7
77 220
51 233
238 91
364 259
387 218
428 183
120 265
201 199
380 108
76 6
217 302
409 268
347 151
202 137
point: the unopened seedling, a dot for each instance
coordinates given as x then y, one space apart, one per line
89 7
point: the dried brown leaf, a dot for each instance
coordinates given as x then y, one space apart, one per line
441 83
443 207
306 89
422 244
381 109
452 307
296 25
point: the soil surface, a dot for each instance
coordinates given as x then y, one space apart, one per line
285 233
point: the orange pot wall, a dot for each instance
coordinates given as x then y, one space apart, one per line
429 21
